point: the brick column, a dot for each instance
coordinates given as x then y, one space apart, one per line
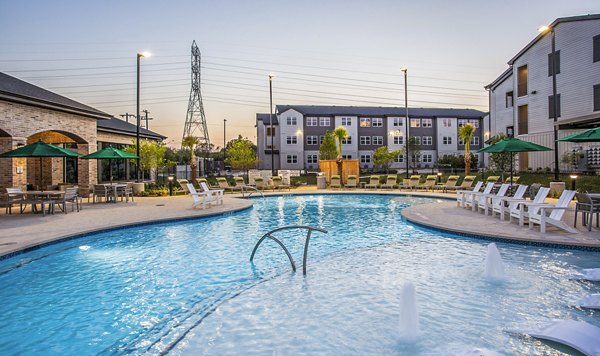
13 171
87 173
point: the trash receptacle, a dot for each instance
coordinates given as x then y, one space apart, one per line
321 182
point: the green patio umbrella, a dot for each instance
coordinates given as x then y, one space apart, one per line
110 153
39 149
592 135
513 145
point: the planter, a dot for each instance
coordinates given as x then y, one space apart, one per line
138 188
556 188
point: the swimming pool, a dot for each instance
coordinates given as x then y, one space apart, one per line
188 287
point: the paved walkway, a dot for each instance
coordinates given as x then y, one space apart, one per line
18 232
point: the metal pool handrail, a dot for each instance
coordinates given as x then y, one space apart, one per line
253 191
269 235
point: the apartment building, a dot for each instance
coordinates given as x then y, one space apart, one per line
522 97
298 131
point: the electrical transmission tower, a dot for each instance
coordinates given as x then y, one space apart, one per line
195 121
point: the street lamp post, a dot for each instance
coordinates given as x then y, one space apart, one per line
224 140
271 123
544 29
137 127
405 70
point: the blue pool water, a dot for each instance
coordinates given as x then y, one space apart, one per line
189 288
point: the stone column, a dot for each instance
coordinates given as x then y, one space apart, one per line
87 173
13 171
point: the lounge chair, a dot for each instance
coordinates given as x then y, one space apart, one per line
215 195
373 183
579 335
500 204
260 183
450 183
472 198
515 208
200 199
493 179
466 184
183 184
461 194
556 213
390 182
484 201
240 184
429 183
336 182
224 184
588 207
351 182
278 183
515 179
414 181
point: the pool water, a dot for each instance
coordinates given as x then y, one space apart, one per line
189 288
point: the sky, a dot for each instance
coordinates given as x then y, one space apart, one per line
327 52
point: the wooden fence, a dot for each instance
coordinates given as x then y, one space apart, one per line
330 167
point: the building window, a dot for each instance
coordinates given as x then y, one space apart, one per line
346 121
365 158
427 140
446 123
292 158
347 140
417 140
596 48
269 132
398 140
311 121
365 122
312 140
551 63
415 122
311 159
551 106
475 141
397 122
324 121
291 121
462 123
365 140
399 159
447 140
510 101
426 123
292 140
597 97
474 123
522 81
378 140
321 139
377 122
346 156
427 158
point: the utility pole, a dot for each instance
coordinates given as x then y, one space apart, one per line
146 112
126 116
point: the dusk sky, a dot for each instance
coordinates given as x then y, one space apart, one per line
321 53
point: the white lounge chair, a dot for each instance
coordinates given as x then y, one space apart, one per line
499 203
471 198
484 201
556 213
592 301
460 194
579 335
588 274
200 199
215 195
515 208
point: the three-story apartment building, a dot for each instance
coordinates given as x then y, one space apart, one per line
300 129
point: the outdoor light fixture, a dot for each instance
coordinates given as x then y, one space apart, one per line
171 178
271 123
573 180
137 103
439 177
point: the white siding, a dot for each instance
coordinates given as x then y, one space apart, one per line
502 116
447 132
351 149
285 131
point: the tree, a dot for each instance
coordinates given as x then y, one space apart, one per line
500 161
384 158
191 142
414 150
152 154
327 150
241 154
340 134
466 133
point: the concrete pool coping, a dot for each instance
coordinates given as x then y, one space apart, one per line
20 233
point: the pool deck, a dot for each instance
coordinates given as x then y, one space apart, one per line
23 231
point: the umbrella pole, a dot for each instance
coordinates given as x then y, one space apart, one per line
110 170
41 175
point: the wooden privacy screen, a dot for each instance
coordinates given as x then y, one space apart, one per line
330 167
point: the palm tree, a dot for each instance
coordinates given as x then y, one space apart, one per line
466 133
190 142
340 134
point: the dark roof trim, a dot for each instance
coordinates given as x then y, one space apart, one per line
46 105
118 126
552 26
507 74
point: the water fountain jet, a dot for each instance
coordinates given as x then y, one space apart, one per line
494 267
409 314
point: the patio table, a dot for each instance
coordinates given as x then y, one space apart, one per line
41 197
113 190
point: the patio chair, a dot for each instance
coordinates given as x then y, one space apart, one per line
224 184
390 182
429 182
556 213
588 207
101 191
471 198
499 205
335 182
351 181
12 197
125 191
484 201
214 195
520 209
70 196
450 183
461 195
278 183
373 183
200 199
